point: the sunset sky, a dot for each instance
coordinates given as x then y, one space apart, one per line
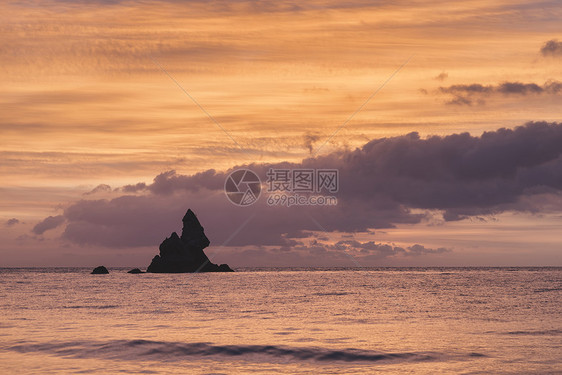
456 159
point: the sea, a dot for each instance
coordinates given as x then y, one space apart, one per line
282 321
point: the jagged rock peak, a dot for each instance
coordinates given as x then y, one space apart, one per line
185 253
192 232
191 217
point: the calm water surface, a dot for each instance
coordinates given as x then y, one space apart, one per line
298 321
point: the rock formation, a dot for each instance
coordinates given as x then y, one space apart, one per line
100 270
185 253
135 271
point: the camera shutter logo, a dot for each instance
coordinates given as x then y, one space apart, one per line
242 187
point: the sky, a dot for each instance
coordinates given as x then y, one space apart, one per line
442 119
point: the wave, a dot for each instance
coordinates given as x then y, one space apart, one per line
552 332
90 307
160 350
546 290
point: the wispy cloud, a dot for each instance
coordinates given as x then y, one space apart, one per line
476 93
552 48
441 76
101 188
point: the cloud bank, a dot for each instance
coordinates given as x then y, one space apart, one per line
386 182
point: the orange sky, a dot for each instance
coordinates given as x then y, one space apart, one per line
83 102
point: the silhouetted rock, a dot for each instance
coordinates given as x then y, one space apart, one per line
100 270
185 253
224 268
135 270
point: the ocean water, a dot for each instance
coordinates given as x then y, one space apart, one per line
291 321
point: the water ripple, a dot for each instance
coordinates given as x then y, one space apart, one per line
160 350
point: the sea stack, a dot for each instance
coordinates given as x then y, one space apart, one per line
185 253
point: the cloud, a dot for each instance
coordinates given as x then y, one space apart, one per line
386 182
315 254
48 223
141 186
11 222
461 100
168 182
473 88
126 221
520 88
552 48
385 250
102 188
442 76
310 140
476 93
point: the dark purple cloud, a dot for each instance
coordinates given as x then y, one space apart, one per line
459 172
126 221
381 184
11 222
552 48
472 88
168 182
48 223
141 186
476 93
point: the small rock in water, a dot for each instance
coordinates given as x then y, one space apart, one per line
100 270
135 270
